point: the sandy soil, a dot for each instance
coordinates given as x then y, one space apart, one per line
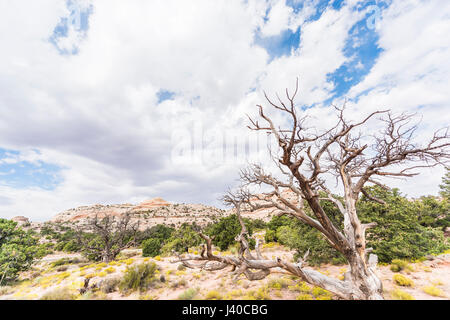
44 279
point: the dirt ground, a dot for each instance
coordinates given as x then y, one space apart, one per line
45 279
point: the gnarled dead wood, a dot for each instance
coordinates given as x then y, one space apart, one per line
304 156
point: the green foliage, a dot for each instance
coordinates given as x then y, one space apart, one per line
445 186
226 229
304 296
213 295
63 236
160 231
402 280
433 291
296 235
433 212
399 233
155 237
398 265
398 294
189 294
151 247
18 249
405 229
183 238
139 277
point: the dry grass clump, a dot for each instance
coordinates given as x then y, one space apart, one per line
139 277
59 294
403 281
213 295
433 291
398 265
398 294
189 294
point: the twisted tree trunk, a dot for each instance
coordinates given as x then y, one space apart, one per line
304 156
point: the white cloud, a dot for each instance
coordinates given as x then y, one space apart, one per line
96 114
412 75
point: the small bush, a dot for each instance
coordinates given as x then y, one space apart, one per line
139 277
151 247
189 294
110 270
260 294
398 294
60 262
213 295
433 291
109 285
403 281
398 265
277 284
319 292
59 294
98 295
304 296
181 267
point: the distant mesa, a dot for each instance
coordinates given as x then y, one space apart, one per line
152 203
21 221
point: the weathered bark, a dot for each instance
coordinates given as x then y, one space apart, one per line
302 162
115 235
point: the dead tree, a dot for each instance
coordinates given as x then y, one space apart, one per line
304 158
111 235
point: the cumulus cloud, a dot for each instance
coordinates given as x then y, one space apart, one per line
97 115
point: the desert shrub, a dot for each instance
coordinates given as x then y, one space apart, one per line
300 237
63 235
398 265
62 268
59 294
260 294
433 212
433 291
398 294
155 238
109 285
5 290
321 294
405 229
277 284
403 281
178 283
399 233
18 250
226 229
182 239
256 224
71 246
97 295
110 270
270 236
304 296
189 294
213 295
139 277
160 231
181 267
64 262
151 247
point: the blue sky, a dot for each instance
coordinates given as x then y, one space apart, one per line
21 174
97 90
